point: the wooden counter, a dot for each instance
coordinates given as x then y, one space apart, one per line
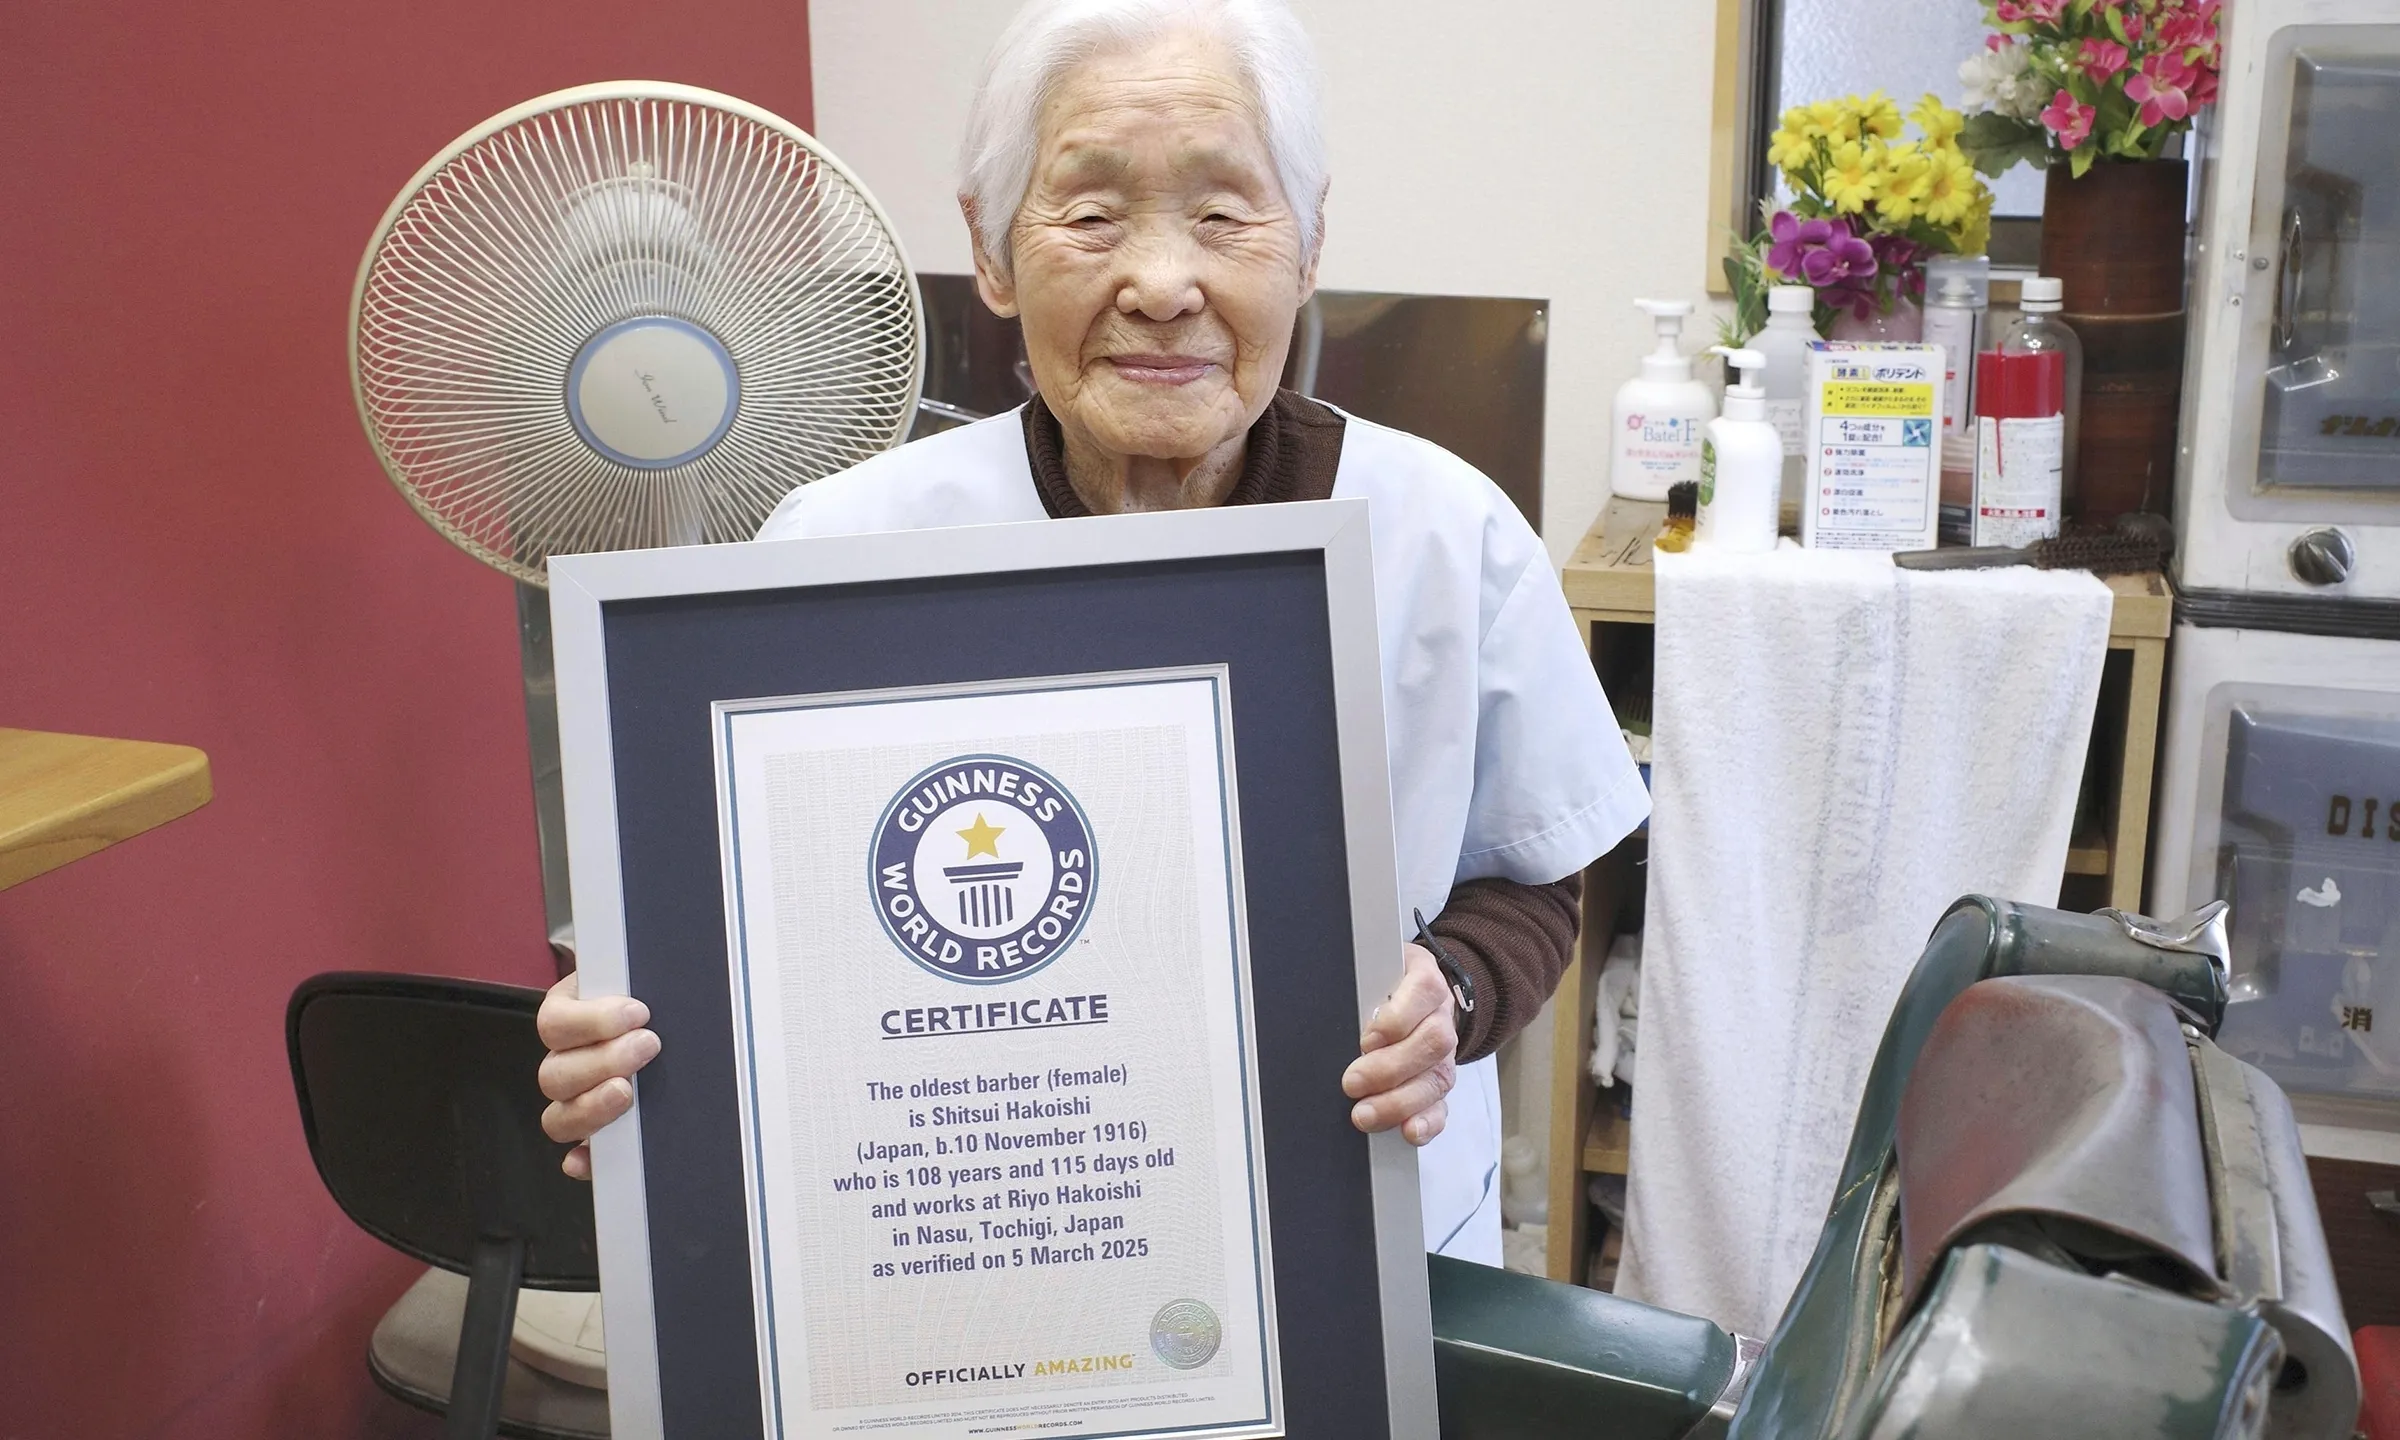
1611 584
62 797
1610 577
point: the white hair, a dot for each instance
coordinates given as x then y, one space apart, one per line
1049 37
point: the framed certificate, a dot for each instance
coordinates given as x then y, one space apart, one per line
1009 900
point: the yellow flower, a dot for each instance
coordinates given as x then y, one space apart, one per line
1951 190
1800 122
1939 122
1877 115
1791 148
1852 177
1975 236
1833 120
1907 180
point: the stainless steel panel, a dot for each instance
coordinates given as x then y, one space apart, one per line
1466 372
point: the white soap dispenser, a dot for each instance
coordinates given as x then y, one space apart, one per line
1741 464
1659 414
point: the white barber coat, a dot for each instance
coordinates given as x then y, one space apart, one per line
1505 759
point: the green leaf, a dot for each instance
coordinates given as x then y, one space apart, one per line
2130 137
2116 25
1997 143
2115 125
2083 157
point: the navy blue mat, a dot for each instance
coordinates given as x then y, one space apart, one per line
1263 616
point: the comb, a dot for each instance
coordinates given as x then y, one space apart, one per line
2135 545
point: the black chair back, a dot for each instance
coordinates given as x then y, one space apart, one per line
420 1100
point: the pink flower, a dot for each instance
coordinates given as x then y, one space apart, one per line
2191 33
2161 87
2101 58
2038 12
2069 119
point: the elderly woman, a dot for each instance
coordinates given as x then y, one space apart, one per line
1144 181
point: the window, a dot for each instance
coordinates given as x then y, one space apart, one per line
1774 54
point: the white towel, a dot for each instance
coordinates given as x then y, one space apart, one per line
1842 748
1613 1018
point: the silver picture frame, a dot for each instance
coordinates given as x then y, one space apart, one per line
582 585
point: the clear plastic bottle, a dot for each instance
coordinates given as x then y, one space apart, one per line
2026 388
1784 342
2038 328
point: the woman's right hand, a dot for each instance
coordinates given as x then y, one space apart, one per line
595 1048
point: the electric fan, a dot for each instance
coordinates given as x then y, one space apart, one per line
628 315
620 316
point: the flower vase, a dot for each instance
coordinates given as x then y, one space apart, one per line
2114 239
1903 324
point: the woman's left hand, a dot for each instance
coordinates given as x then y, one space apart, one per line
1408 1057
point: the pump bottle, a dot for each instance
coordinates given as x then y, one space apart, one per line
1741 464
1659 414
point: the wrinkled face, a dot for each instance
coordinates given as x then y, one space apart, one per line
1157 261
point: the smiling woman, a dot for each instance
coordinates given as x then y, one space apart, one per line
1156 260
1144 181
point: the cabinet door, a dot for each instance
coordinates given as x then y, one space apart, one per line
2308 852
2326 221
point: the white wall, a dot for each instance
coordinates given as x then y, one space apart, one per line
1548 148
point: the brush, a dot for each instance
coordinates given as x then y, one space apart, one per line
1683 512
2135 545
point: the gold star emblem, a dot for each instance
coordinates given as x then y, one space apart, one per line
982 837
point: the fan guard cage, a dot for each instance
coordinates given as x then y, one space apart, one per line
500 274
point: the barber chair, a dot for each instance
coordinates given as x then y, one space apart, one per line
422 1111
2064 1213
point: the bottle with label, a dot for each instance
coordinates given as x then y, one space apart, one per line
1659 414
1954 321
1789 329
1741 464
2025 402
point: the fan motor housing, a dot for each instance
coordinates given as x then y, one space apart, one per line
653 392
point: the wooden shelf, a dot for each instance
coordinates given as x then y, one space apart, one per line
62 797
1610 577
1608 1144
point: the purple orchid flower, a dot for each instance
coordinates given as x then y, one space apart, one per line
1903 260
1825 254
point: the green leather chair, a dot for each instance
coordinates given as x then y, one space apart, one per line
2064 1213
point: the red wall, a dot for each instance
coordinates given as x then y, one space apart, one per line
196 545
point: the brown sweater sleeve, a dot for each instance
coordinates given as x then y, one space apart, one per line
1514 941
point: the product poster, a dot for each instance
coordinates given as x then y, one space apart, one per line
996 1060
1875 466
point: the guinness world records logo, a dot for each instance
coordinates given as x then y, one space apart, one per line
982 869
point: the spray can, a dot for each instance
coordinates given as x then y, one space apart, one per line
1954 321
